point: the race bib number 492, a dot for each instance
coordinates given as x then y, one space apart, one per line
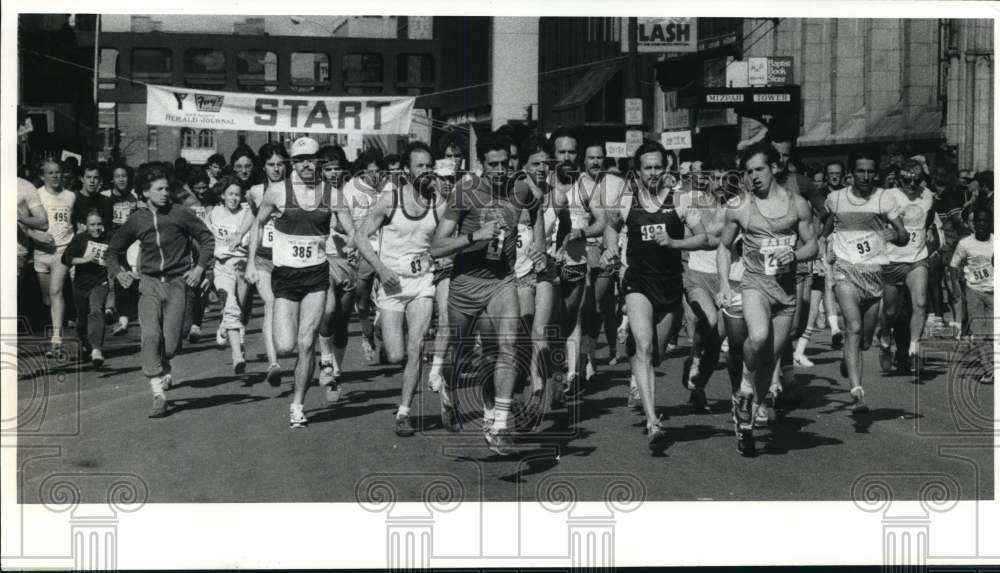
649 232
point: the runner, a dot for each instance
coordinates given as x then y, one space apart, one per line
701 285
275 158
485 212
31 219
407 218
654 216
773 221
301 274
835 182
230 266
445 169
585 222
89 198
857 218
360 194
167 274
343 280
908 266
605 190
124 202
58 204
90 284
974 259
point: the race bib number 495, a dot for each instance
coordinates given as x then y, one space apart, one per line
59 214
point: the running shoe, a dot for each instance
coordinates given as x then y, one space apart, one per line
589 370
273 375
239 364
686 373
55 350
837 342
634 399
801 361
573 386
656 433
97 358
614 359
167 381
403 427
724 349
500 442
368 349
296 417
986 379
860 406
221 338
159 408
194 335
435 381
449 412
765 411
333 392
121 328
885 358
743 415
699 402
325 373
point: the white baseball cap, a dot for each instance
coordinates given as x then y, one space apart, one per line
304 147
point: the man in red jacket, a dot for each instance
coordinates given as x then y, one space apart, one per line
167 275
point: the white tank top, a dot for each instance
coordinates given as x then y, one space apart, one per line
361 199
406 240
59 208
224 223
579 216
525 234
914 213
857 224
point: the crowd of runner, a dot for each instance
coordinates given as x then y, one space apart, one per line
514 270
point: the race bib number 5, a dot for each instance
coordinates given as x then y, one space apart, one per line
267 240
649 232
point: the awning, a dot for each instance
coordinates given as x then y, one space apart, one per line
588 85
891 125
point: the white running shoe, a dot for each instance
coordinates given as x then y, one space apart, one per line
589 370
221 338
326 375
435 381
297 418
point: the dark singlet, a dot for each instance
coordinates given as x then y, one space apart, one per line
644 255
300 234
484 203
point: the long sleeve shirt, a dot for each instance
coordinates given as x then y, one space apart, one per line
164 236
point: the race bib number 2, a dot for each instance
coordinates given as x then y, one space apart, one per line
771 250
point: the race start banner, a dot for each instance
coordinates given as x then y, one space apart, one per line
179 107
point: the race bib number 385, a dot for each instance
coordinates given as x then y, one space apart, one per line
299 252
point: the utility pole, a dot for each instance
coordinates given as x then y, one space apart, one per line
632 72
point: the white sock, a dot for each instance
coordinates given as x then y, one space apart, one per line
746 383
913 347
500 411
403 411
156 384
489 416
834 326
437 363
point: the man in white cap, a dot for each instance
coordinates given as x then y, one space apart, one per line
301 274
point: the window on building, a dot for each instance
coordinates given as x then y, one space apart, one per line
152 138
362 74
206 139
607 105
414 74
310 72
107 75
188 139
257 71
152 64
205 69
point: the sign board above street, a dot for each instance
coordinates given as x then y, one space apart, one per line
633 140
759 72
676 139
779 71
778 97
633 111
662 35
616 149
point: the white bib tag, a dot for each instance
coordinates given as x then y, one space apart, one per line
267 239
98 250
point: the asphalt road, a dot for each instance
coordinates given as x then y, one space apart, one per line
227 439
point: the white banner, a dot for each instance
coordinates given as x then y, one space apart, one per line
178 107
